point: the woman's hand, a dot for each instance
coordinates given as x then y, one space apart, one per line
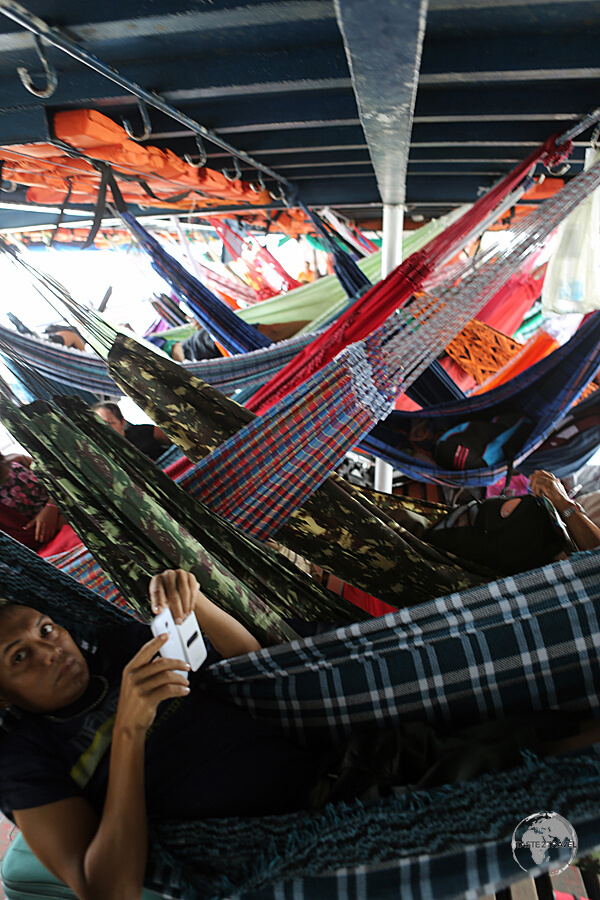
180 591
147 680
177 589
45 524
545 484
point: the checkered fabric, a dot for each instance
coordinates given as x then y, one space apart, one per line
258 477
528 642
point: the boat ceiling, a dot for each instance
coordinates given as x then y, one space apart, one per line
353 102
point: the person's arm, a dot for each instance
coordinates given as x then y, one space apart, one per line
106 859
584 533
180 591
45 523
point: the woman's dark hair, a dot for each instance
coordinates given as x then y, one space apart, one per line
111 407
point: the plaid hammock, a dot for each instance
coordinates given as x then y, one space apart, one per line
524 643
287 452
75 370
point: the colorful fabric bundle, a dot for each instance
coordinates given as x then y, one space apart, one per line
526 643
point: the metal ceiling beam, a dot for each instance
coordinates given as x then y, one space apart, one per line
191 79
384 62
284 12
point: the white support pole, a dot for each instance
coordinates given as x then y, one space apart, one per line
391 256
185 244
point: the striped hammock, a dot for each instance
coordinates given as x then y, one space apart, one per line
544 393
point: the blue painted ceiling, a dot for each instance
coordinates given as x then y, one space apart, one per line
496 78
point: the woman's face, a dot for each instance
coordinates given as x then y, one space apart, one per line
112 420
41 667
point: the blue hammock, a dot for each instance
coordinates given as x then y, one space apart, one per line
352 279
525 643
544 393
576 439
225 327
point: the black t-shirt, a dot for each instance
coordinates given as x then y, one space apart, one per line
142 437
204 757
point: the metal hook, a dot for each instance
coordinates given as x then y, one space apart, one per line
203 156
559 172
146 121
281 195
51 76
236 170
261 184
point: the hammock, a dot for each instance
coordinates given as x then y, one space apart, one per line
334 530
378 303
347 271
212 313
351 539
74 370
247 372
286 453
528 642
544 393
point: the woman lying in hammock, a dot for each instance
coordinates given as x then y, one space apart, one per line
27 513
83 810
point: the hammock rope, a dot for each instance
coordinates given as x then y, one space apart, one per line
390 294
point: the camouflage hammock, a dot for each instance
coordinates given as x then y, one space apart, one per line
338 527
136 522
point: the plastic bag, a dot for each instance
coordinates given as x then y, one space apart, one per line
572 282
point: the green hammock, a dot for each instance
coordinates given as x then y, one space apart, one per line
324 298
136 522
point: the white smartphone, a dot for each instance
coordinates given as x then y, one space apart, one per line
185 641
